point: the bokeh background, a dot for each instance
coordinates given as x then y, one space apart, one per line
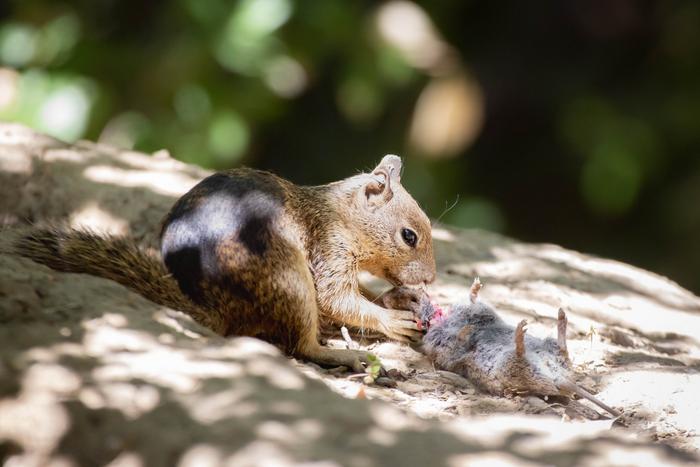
575 122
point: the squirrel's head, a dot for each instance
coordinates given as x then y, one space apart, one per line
396 233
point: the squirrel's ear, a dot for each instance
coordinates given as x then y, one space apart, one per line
379 190
391 164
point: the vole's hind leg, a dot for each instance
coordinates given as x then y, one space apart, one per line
520 338
561 333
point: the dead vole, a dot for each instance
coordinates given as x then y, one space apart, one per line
472 340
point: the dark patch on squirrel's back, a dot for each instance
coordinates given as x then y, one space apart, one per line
179 264
239 205
255 232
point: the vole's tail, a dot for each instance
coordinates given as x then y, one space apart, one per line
569 386
117 258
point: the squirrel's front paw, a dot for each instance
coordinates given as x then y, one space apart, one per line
401 325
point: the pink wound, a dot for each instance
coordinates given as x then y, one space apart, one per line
438 315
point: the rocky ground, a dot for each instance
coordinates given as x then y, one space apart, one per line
91 374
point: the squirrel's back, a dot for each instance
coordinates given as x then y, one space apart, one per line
240 216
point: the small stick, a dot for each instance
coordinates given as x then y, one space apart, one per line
348 340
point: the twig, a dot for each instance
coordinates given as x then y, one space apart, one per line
348 340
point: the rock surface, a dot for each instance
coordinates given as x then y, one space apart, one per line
92 374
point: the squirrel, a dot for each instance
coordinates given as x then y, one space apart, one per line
246 252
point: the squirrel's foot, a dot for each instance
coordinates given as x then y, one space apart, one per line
355 359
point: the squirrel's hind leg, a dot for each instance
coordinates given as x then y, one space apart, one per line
279 305
302 319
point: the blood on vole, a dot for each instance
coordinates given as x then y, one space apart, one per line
472 340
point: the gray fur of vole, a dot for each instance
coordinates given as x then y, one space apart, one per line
475 342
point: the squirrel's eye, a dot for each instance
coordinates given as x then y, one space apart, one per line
409 236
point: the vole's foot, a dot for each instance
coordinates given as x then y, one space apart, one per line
474 291
561 333
400 325
520 338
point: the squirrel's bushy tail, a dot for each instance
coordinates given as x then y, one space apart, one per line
120 259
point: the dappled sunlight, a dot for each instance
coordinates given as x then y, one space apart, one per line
161 161
36 420
230 404
533 436
177 369
167 183
128 459
635 278
63 155
488 459
16 163
50 378
613 455
538 279
104 376
174 321
392 419
644 315
237 402
302 430
281 376
133 400
201 455
382 437
253 453
91 215
668 394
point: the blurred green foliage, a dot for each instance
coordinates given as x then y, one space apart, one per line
576 122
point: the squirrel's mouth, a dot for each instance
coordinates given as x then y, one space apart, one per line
396 282
393 280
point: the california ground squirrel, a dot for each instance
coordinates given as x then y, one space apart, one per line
246 252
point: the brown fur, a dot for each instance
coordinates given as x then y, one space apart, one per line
293 256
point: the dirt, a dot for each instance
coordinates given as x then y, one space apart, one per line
93 374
